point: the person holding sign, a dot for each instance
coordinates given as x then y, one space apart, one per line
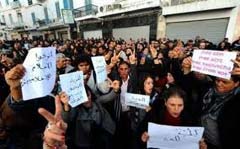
137 113
220 110
26 125
89 124
173 113
147 88
84 64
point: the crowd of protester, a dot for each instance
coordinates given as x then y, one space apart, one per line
160 69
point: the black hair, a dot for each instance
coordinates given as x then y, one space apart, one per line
174 91
124 62
82 59
235 78
142 84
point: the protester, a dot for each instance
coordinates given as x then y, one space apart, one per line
158 64
89 124
172 113
219 112
25 124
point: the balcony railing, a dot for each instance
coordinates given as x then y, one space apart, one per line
15 4
85 10
18 25
47 23
179 2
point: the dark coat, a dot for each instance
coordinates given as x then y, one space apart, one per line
156 115
23 123
229 123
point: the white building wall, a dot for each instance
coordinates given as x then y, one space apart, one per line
232 25
200 11
81 3
199 6
26 10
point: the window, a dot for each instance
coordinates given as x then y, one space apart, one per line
68 4
3 19
88 6
33 18
7 2
10 18
46 15
30 2
20 18
58 10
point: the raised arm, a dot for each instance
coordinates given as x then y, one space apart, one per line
54 134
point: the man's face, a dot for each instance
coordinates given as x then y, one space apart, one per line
17 46
202 45
123 71
224 85
118 48
84 67
61 63
6 61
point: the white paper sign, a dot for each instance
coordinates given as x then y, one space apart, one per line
173 137
215 63
99 65
39 79
73 85
137 100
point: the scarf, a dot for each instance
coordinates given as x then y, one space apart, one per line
169 120
213 101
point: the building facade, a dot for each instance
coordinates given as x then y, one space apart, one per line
209 19
125 19
35 19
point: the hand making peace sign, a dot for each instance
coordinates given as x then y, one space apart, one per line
54 134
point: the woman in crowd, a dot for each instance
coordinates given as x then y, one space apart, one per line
137 114
171 113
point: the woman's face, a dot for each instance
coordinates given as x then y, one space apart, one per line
224 85
148 86
170 78
128 51
174 105
145 51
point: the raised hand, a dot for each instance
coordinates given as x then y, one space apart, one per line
186 65
132 58
202 144
115 85
14 76
54 134
115 57
153 51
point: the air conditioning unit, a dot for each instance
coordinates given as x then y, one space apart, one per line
109 7
113 7
116 6
102 9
